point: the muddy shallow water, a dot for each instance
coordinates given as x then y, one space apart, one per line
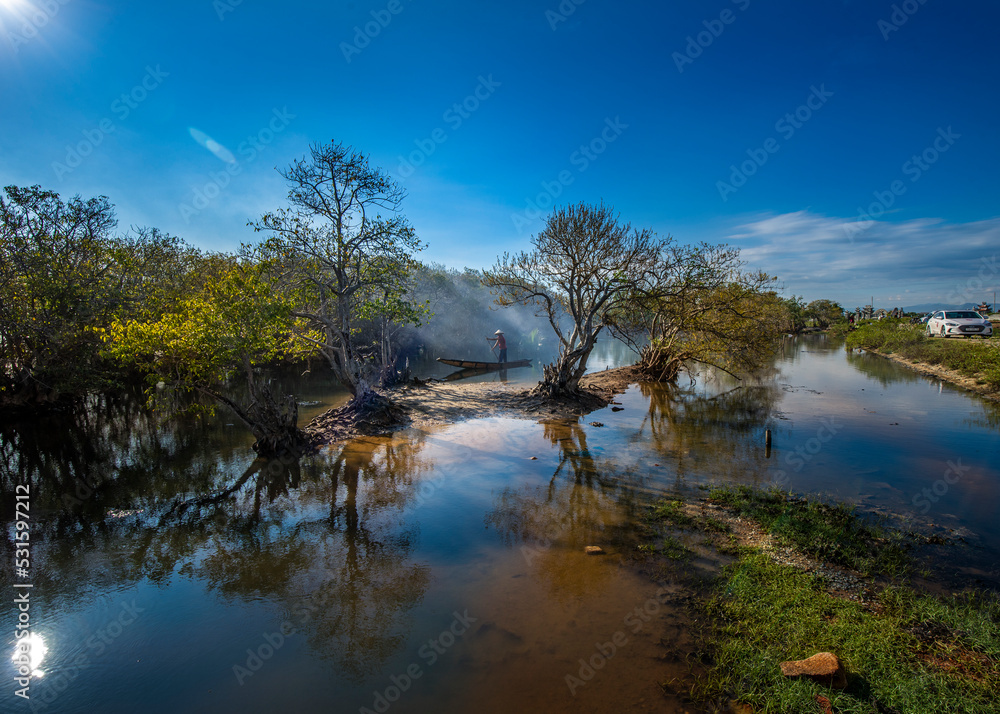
442 569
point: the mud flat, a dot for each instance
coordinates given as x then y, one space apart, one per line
436 402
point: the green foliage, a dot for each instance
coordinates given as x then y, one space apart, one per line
233 326
669 547
887 334
63 276
672 512
54 258
796 314
825 312
841 329
699 305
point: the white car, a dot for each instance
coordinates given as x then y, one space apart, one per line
962 323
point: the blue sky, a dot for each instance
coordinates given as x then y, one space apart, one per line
849 147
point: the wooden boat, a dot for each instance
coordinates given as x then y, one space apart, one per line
485 366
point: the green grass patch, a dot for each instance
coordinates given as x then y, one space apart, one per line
833 533
910 654
669 547
672 512
840 329
713 525
887 335
980 360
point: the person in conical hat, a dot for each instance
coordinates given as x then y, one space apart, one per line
499 341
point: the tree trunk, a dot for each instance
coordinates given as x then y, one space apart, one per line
660 365
561 378
276 425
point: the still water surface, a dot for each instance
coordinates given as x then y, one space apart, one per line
441 570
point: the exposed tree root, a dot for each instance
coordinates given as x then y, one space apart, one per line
369 415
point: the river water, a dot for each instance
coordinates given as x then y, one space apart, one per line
442 570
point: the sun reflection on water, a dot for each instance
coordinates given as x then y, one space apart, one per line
29 651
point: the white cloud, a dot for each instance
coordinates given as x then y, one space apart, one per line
926 259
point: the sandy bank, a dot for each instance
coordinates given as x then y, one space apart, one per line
434 402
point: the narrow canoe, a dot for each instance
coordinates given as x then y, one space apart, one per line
472 364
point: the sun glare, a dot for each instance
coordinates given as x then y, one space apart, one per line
29 651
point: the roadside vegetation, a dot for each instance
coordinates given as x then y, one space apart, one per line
979 359
903 651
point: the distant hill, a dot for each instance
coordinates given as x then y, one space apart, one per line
933 306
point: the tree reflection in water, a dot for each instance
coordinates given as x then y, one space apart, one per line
591 499
887 372
883 370
320 538
989 417
345 578
584 503
703 434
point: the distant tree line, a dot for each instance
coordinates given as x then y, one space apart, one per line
797 315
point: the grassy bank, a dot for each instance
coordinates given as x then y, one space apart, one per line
903 651
979 360
830 533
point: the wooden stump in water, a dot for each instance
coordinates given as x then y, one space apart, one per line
276 425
